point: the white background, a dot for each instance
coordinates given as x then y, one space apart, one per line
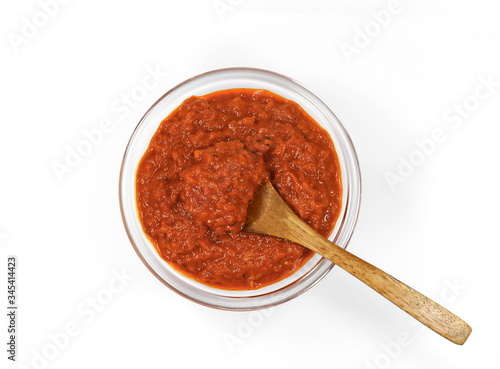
437 229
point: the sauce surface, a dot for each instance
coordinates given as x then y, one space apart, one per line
201 169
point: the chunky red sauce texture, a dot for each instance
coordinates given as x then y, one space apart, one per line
199 173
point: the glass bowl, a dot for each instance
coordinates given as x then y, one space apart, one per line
311 272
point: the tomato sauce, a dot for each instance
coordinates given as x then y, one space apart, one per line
201 169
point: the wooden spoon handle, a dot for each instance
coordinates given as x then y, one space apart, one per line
422 308
413 302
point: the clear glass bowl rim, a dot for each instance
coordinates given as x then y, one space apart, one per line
219 299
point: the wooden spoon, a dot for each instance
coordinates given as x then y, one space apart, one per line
269 214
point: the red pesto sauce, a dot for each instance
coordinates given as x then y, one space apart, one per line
199 173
